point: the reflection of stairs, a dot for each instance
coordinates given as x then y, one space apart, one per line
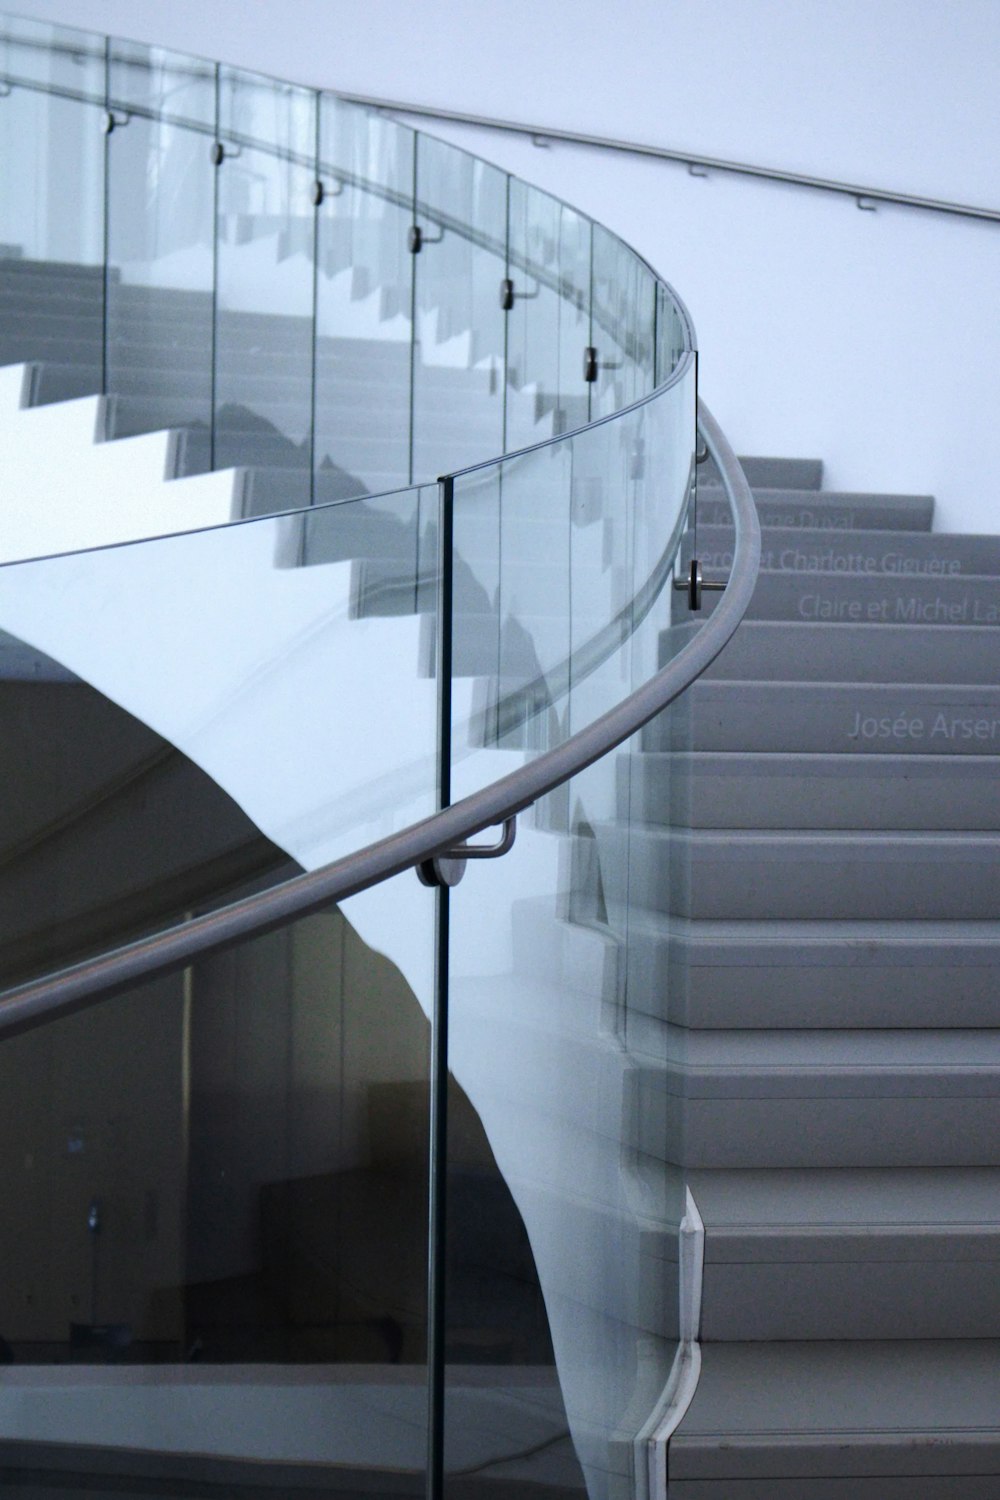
813 954
161 345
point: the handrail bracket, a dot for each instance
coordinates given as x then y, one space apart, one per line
447 869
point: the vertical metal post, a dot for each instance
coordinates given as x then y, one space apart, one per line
105 274
438 1135
590 324
214 373
694 439
317 205
413 310
506 321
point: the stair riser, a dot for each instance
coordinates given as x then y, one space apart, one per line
838 599
777 985
815 1288
828 511
867 877
858 553
771 473
813 1131
765 651
813 792
831 719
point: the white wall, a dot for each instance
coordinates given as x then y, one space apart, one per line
865 338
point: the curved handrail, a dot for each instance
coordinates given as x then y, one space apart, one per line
99 978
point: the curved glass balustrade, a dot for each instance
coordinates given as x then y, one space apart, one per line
262 697
298 287
251 1164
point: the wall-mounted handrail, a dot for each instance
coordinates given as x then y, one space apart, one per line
95 979
861 195
545 133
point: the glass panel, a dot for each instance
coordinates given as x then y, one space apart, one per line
161 223
458 377
227 1168
565 1194
264 328
51 206
364 313
548 325
622 328
672 337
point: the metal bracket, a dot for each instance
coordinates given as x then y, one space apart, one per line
111 120
416 239
694 585
866 205
320 192
221 151
590 364
695 169
447 869
508 296
701 454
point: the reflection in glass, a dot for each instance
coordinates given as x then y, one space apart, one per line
624 293
458 374
51 206
160 231
567 1082
364 313
227 1167
264 307
549 318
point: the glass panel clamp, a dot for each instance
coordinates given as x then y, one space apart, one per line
508 296
694 585
416 239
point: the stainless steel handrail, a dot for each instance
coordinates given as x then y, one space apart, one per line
553 133
681 158
99 978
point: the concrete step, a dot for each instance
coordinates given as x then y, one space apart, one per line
872 1420
850 1255
931 554
831 510
817 1099
706 789
832 718
766 650
775 975
803 876
771 473
867 599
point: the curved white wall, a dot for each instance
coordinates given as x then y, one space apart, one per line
864 338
